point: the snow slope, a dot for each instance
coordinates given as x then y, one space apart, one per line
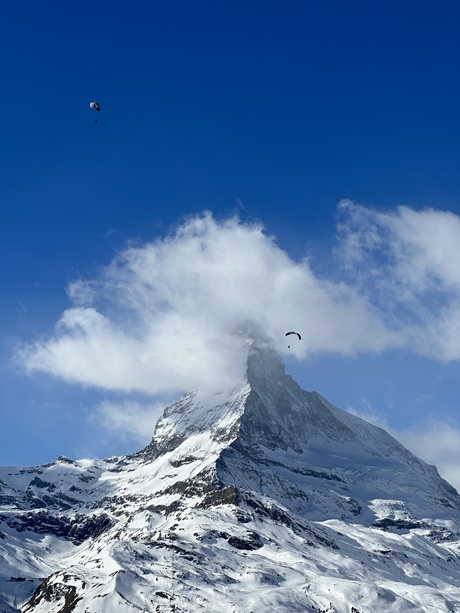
265 497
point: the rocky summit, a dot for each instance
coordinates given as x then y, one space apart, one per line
260 498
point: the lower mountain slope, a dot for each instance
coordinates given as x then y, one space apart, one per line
265 497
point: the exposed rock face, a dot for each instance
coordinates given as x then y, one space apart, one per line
264 495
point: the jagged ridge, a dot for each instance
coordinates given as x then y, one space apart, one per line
233 481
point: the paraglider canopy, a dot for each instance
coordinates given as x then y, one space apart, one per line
292 332
95 105
288 333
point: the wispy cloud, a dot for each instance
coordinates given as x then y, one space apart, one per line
406 262
128 420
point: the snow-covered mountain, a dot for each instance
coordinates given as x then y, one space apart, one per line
260 498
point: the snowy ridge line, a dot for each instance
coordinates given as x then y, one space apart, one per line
264 497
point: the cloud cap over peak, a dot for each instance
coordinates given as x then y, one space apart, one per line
167 316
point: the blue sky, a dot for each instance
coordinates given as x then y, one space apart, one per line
274 113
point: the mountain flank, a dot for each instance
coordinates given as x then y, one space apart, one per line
262 497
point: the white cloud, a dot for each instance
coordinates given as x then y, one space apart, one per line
165 316
81 292
129 420
406 262
369 414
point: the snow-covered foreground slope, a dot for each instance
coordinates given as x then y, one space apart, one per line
263 498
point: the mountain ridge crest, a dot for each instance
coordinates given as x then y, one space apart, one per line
262 495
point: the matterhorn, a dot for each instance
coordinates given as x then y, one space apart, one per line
262 498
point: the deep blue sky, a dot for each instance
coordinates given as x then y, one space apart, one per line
275 111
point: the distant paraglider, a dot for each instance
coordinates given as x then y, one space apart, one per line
292 332
96 106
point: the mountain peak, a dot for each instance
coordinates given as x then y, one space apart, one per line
261 485
269 427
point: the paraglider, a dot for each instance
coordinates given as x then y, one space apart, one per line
95 105
292 332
